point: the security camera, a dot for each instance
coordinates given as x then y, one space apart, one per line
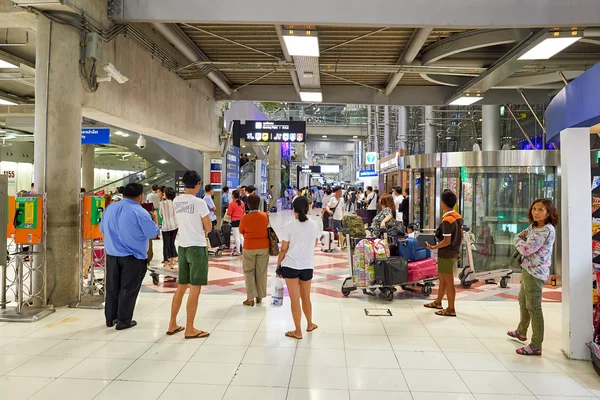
141 142
114 73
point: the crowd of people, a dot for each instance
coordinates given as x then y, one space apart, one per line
129 229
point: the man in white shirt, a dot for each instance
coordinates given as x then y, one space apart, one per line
372 199
208 194
193 218
153 197
398 199
335 209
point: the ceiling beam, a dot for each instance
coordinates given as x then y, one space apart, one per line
416 42
398 13
288 58
403 96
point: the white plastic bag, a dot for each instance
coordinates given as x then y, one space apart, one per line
277 296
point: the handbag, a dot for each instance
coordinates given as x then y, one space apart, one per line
227 218
273 240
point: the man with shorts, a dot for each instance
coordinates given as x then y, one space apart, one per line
193 218
335 208
449 237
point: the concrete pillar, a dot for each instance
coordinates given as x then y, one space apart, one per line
275 168
576 225
491 128
386 131
206 179
376 126
57 152
369 128
87 166
430 132
402 127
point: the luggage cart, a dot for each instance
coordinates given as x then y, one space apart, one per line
469 276
156 272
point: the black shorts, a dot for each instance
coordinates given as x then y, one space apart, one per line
291 273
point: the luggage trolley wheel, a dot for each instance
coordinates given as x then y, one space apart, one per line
346 290
503 283
388 295
155 279
219 253
426 290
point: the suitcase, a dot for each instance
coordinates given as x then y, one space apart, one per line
364 214
273 209
410 250
367 251
424 269
335 234
394 252
391 271
423 239
226 231
216 239
327 240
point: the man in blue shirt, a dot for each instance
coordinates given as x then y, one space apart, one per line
210 203
225 200
127 229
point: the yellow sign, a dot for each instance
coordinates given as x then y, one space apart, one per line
29 213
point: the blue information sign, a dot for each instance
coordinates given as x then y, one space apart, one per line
366 173
95 135
232 167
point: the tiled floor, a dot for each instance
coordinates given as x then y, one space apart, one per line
412 354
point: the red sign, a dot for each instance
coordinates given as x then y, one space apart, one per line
215 177
99 193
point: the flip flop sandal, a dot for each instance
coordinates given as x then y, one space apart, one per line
258 300
313 328
290 334
515 335
180 329
433 305
249 303
200 335
529 351
445 313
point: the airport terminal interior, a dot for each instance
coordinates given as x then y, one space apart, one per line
421 151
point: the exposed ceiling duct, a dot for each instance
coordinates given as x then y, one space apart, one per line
182 43
416 42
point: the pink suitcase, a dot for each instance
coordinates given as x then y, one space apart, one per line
424 269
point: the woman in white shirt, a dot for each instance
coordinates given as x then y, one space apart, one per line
296 264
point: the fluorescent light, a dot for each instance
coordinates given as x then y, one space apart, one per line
162 161
119 133
301 43
548 48
8 103
315 97
243 147
465 101
125 134
354 137
147 184
324 136
5 64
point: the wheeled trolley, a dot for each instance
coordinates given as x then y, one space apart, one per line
156 272
468 276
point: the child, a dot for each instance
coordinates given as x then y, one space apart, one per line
410 231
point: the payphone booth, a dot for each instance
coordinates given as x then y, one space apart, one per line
25 274
92 258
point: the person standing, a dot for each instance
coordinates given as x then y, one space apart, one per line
335 209
194 224
236 211
169 227
371 203
296 264
255 261
324 215
398 199
127 230
244 196
225 199
210 203
449 236
405 207
535 244
153 197
271 197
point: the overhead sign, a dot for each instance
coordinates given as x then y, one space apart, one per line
232 167
216 173
372 158
273 131
330 169
389 164
95 135
367 173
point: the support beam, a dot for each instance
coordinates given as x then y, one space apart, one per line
576 211
386 130
288 58
399 13
430 131
402 127
490 136
417 40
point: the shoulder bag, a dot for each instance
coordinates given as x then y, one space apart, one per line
273 240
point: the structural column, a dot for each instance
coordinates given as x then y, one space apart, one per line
430 131
87 166
576 225
275 168
206 179
57 171
491 128
386 131
376 127
402 127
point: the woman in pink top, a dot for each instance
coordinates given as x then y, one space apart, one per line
236 211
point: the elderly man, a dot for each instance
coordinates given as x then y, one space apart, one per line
127 229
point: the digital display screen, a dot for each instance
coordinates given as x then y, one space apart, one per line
274 131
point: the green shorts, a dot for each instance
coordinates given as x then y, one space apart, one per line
446 265
193 266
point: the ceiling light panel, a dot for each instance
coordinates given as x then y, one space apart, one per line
311 97
301 43
549 47
465 101
5 64
8 103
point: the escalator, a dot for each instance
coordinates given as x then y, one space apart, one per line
147 177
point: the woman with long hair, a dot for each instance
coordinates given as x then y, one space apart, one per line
386 219
535 244
236 211
296 264
169 226
255 261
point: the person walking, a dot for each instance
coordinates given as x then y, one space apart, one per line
296 264
236 211
371 203
255 261
335 209
535 244
169 227
324 216
193 219
225 199
449 238
127 230
210 203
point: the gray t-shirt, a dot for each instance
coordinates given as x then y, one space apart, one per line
154 199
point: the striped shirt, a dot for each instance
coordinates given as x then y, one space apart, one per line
169 223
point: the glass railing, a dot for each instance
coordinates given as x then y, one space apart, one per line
143 176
